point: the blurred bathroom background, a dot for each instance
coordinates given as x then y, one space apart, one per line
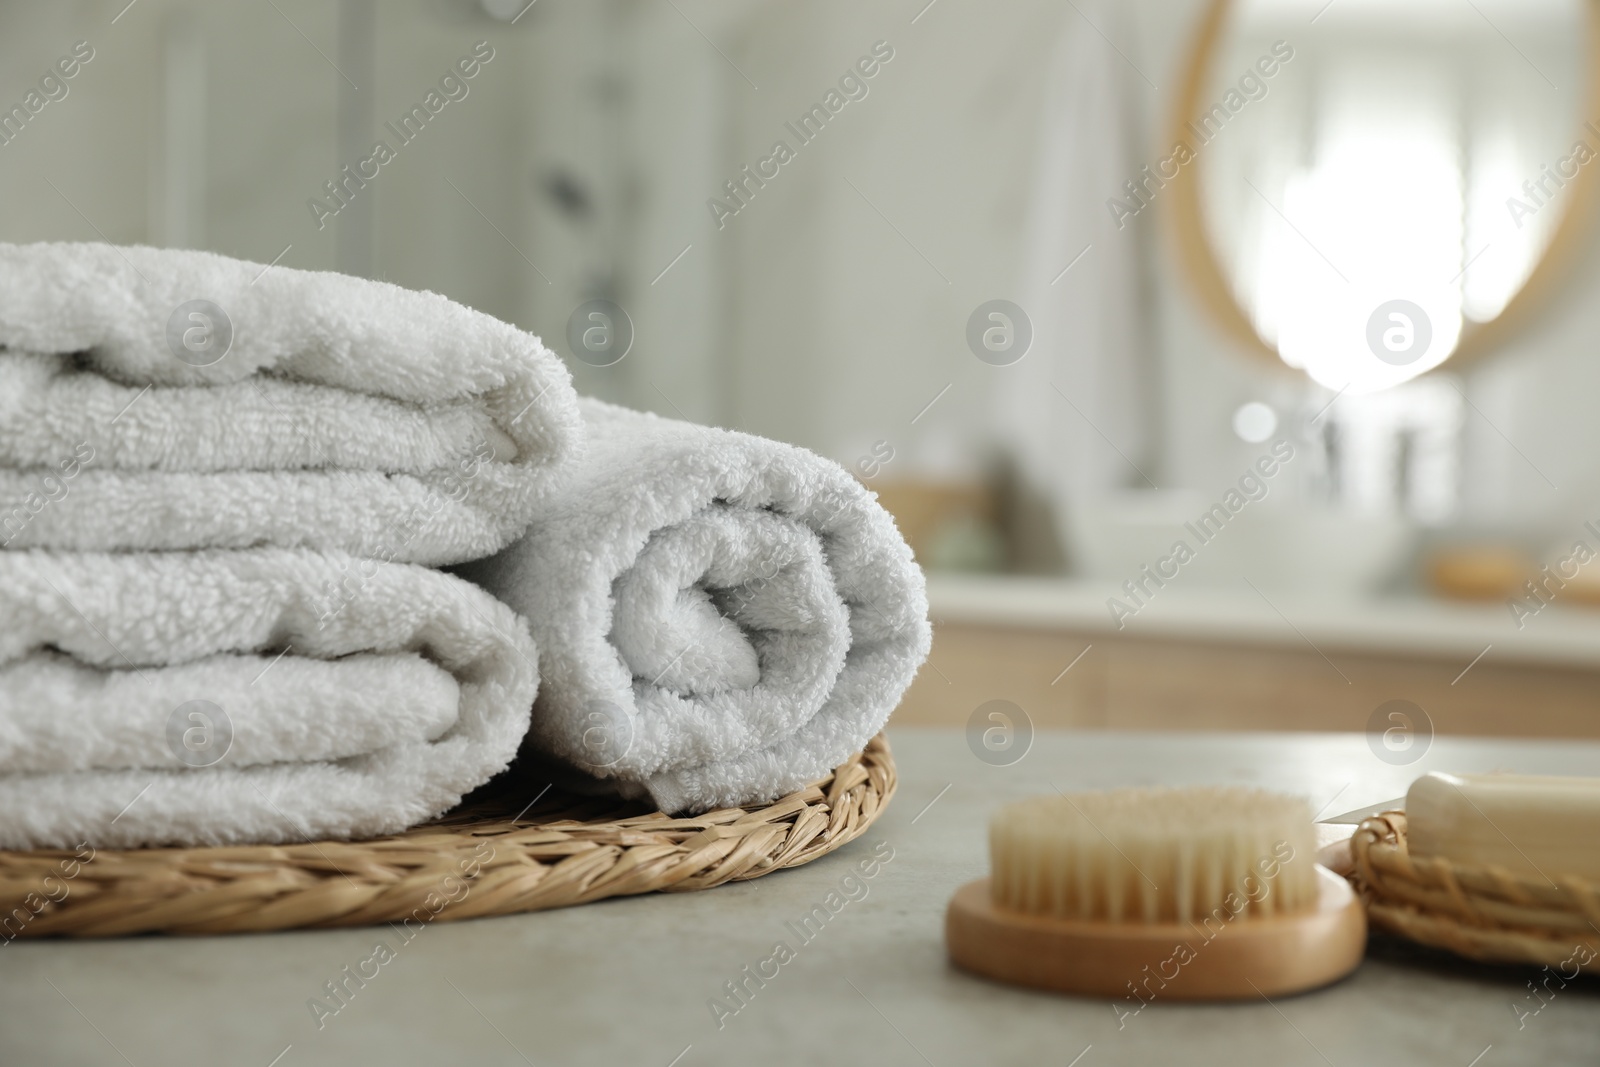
981 276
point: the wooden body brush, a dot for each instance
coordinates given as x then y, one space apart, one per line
1193 894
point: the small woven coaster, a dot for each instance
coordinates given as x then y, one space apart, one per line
1481 912
484 858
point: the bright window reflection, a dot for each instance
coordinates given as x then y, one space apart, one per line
1349 241
1383 166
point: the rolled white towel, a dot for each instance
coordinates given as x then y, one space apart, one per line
261 695
293 408
720 618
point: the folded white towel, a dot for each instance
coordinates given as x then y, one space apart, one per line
720 618
317 410
360 698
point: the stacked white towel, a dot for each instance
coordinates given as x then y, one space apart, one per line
207 698
720 618
219 485
214 403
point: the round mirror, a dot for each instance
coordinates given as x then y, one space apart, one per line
1365 189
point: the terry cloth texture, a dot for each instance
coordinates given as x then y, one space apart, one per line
223 697
204 402
721 619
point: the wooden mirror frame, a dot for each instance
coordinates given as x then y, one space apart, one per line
1197 256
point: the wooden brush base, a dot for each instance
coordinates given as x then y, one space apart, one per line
1223 959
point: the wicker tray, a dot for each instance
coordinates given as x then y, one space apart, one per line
484 858
1481 912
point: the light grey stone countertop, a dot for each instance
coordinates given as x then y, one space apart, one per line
631 982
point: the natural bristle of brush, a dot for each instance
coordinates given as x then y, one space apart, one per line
1154 855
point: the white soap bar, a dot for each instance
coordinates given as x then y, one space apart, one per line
1533 826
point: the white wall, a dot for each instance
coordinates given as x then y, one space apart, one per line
860 264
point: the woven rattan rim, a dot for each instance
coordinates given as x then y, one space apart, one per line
1481 912
481 859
